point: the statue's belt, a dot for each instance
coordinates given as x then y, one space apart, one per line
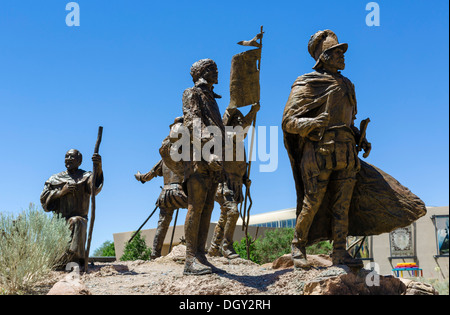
337 134
173 186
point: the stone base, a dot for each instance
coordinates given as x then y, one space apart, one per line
341 280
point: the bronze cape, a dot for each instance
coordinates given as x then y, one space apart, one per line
379 204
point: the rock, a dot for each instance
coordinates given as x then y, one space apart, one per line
339 280
286 261
178 254
112 270
418 288
282 262
70 285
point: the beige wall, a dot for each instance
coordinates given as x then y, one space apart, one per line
425 244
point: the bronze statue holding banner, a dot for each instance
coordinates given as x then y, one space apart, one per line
244 91
229 193
337 193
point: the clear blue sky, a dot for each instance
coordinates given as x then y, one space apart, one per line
126 66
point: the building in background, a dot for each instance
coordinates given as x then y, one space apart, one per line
425 242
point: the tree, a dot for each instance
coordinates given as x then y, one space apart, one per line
241 249
105 250
275 243
136 249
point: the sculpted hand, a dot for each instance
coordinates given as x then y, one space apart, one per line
256 107
322 120
367 147
97 159
67 188
139 177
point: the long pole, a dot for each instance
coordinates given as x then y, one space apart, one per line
93 189
135 233
173 230
246 214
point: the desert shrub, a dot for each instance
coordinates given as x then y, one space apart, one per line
136 249
275 243
324 247
241 249
31 245
105 250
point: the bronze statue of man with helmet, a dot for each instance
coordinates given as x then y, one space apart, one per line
320 111
338 195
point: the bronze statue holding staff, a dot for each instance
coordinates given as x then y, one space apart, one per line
68 193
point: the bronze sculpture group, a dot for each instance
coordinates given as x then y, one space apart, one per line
337 193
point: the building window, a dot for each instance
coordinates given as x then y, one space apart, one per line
402 242
291 223
441 225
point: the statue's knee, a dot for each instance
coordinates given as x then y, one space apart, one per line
77 221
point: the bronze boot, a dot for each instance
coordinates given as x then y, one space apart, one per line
342 257
228 251
194 267
214 251
299 257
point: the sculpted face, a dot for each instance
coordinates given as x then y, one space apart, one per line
72 159
211 74
334 59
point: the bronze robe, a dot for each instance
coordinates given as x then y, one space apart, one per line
74 207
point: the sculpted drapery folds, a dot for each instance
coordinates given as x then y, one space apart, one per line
337 193
68 194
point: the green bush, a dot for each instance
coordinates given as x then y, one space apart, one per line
136 249
105 250
275 243
241 249
31 245
324 247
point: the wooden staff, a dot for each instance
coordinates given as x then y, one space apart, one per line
138 230
173 230
94 179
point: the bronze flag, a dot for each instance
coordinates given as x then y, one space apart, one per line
244 78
